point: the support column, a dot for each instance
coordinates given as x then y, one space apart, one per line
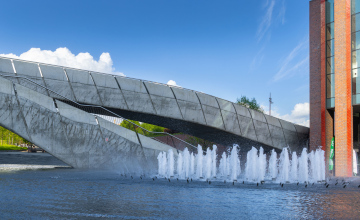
343 105
317 74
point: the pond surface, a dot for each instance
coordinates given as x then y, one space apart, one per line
44 192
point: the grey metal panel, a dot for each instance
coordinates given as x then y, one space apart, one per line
131 84
105 80
31 95
153 144
302 129
303 140
6 86
79 76
257 115
262 132
75 114
86 93
213 117
241 110
272 120
139 102
291 139
226 105
231 122
126 133
207 100
34 86
60 87
191 111
11 115
53 72
27 69
6 66
186 95
287 125
112 97
277 136
159 90
247 127
166 106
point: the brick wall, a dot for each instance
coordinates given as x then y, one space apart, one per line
317 74
343 106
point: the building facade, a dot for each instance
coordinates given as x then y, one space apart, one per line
334 81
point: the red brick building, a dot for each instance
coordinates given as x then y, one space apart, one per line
334 80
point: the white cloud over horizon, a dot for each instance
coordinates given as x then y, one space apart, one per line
62 56
299 115
172 83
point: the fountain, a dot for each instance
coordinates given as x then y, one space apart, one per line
303 166
186 163
234 163
294 167
170 168
199 160
213 161
273 169
180 166
288 167
208 163
284 165
192 164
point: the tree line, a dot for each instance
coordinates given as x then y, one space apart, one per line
9 138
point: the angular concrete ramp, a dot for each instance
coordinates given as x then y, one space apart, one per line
180 109
76 137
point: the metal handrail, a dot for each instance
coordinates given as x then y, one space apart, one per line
96 106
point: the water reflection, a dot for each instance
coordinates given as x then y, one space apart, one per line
60 193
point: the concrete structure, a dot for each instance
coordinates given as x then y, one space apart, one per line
72 135
334 81
188 111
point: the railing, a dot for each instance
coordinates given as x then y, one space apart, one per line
97 110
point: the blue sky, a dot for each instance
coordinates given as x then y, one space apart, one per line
223 48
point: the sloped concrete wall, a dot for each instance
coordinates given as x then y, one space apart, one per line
72 135
180 109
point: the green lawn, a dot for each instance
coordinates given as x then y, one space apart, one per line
11 147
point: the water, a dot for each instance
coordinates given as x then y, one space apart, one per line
73 194
288 167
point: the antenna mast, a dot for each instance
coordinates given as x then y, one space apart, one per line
270 102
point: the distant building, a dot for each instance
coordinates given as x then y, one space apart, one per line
335 81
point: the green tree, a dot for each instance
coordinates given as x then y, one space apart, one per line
130 126
245 101
8 137
149 127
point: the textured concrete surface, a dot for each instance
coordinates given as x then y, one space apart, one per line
188 111
72 135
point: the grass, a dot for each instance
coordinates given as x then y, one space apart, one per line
11 147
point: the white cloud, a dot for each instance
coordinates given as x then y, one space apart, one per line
64 57
282 12
299 115
293 62
172 83
266 21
